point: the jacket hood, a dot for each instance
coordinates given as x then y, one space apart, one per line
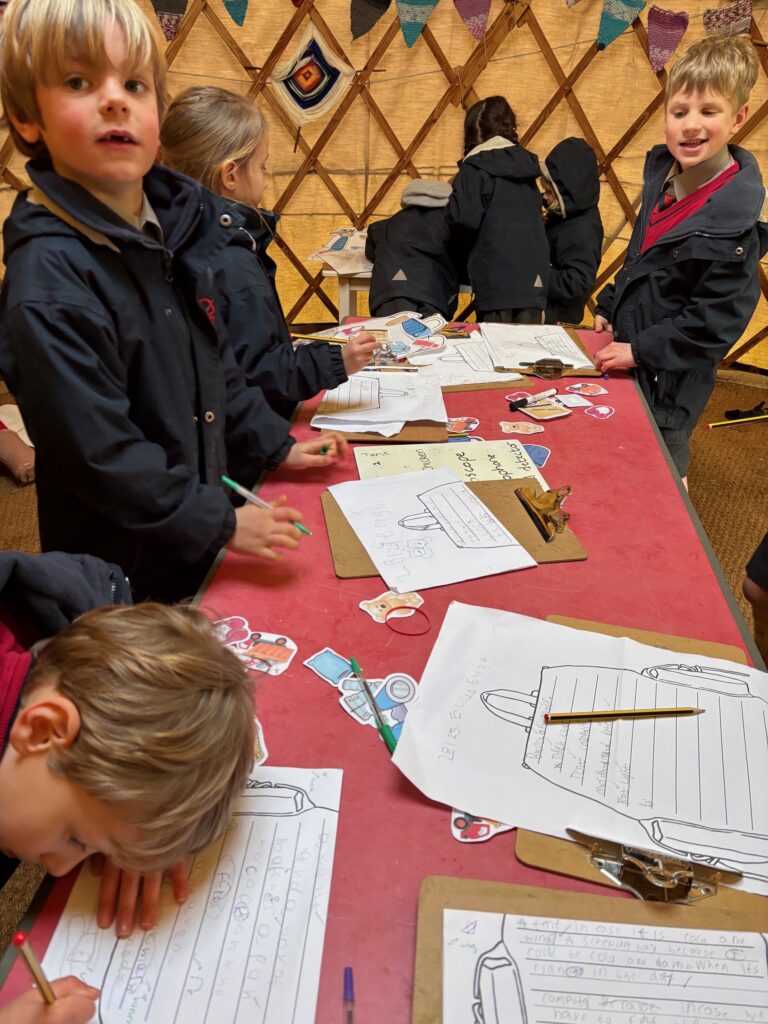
571 167
426 192
503 159
257 228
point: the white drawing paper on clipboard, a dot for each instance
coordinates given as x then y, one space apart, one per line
247 944
463 361
382 402
427 529
513 345
520 969
691 787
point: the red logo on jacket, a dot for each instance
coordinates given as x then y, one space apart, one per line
209 308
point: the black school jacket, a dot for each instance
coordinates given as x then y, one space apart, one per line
412 256
255 323
575 235
687 300
495 210
114 347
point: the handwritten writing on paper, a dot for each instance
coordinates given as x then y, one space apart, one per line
477 460
247 944
505 967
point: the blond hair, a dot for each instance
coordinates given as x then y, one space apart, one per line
206 127
725 64
38 39
167 732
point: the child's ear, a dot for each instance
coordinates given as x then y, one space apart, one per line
27 130
45 725
228 176
741 117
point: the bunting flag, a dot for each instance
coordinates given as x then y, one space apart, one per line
414 15
729 20
364 14
665 30
310 83
616 17
474 14
237 9
169 14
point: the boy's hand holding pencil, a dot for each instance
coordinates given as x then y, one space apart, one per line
260 530
359 351
75 1004
317 452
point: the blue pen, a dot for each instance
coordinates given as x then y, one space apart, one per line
349 997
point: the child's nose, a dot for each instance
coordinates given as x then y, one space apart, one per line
113 97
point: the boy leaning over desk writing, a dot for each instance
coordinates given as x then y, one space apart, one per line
689 284
111 334
128 735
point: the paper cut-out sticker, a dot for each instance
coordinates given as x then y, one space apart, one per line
515 396
572 401
469 829
600 412
588 388
270 653
329 665
380 606
538 453
465 437
260 747
545 410
520 428
391 695
462 424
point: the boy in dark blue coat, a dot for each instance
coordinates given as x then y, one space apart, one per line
571 187
412 254
689 284
495 213
110 330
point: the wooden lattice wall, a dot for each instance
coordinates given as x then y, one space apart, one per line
403 115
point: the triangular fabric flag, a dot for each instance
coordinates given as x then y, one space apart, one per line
364 14
474 14
616 17
665 30
730 20
169 14
414 15
236 9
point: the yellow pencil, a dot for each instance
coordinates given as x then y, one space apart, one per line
732 423
33 965
320 337
588 716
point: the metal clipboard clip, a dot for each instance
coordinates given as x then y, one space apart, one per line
653 876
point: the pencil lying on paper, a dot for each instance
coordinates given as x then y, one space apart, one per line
589 716
385 730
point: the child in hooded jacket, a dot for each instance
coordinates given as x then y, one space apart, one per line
571 187
495 212
220 138
413 255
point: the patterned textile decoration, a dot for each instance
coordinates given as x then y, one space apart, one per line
414 15
474 14
665 30
312 81
169 14
729 20
236 9
364 14
571 3
616 17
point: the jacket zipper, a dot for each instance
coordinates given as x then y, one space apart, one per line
168 254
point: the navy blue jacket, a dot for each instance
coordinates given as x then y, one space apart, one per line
114 348
255 323
575 232
687 300
495 210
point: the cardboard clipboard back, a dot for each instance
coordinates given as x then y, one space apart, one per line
589 371
351 560
564 857
439 893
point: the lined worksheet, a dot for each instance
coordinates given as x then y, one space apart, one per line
510 968
247 945
513 345
382 403
469 460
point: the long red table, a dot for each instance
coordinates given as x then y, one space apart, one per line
649 567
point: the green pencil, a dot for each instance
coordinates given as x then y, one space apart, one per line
385 730
254 499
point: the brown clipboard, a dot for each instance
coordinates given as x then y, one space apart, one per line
564 857
351 560
575 372
439 893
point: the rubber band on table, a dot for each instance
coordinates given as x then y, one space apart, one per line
402 618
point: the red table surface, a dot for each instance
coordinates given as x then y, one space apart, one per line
646 569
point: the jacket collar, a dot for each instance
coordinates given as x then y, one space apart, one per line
497 142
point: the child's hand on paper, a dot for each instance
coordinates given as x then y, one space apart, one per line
615 356
601 324
121 892
260 530
358 352
317 452
75 1004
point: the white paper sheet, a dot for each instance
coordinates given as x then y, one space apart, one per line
382 403
424 530
463 361
470 461
511 968
247 945
511 345
692 786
